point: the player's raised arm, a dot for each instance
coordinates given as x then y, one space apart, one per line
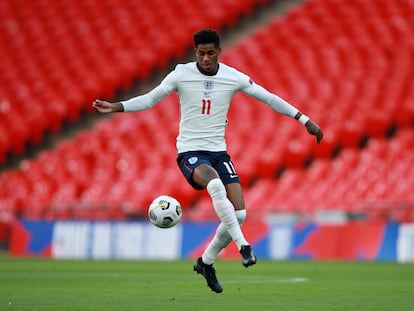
140 102
107 107
280 105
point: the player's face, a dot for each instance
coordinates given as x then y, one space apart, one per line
207 57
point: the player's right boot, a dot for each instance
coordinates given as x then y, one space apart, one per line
209 274
249 258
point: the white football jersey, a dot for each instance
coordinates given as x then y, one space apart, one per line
204 103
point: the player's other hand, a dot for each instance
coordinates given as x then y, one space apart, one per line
107 107
314 129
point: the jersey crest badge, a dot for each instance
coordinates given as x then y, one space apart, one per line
208 85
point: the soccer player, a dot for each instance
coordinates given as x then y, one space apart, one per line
205 89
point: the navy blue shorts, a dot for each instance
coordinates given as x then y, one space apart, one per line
220 161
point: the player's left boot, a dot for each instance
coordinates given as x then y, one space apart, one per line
249 258
209 274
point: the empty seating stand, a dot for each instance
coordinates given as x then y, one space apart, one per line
376 181
329 58
58 56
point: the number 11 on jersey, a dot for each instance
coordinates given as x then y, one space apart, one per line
206 107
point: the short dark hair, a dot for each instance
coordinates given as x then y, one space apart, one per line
206 36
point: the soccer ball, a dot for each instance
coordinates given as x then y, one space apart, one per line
165 211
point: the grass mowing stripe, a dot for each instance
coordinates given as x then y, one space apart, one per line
33 284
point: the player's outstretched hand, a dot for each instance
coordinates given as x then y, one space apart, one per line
314 129
107 107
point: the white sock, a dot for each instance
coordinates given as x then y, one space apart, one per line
221 239
225 211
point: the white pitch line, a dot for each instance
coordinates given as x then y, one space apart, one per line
267 280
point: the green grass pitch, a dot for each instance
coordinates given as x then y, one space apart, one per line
38 284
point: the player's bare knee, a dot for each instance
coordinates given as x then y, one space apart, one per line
235 195
203 174
238 203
